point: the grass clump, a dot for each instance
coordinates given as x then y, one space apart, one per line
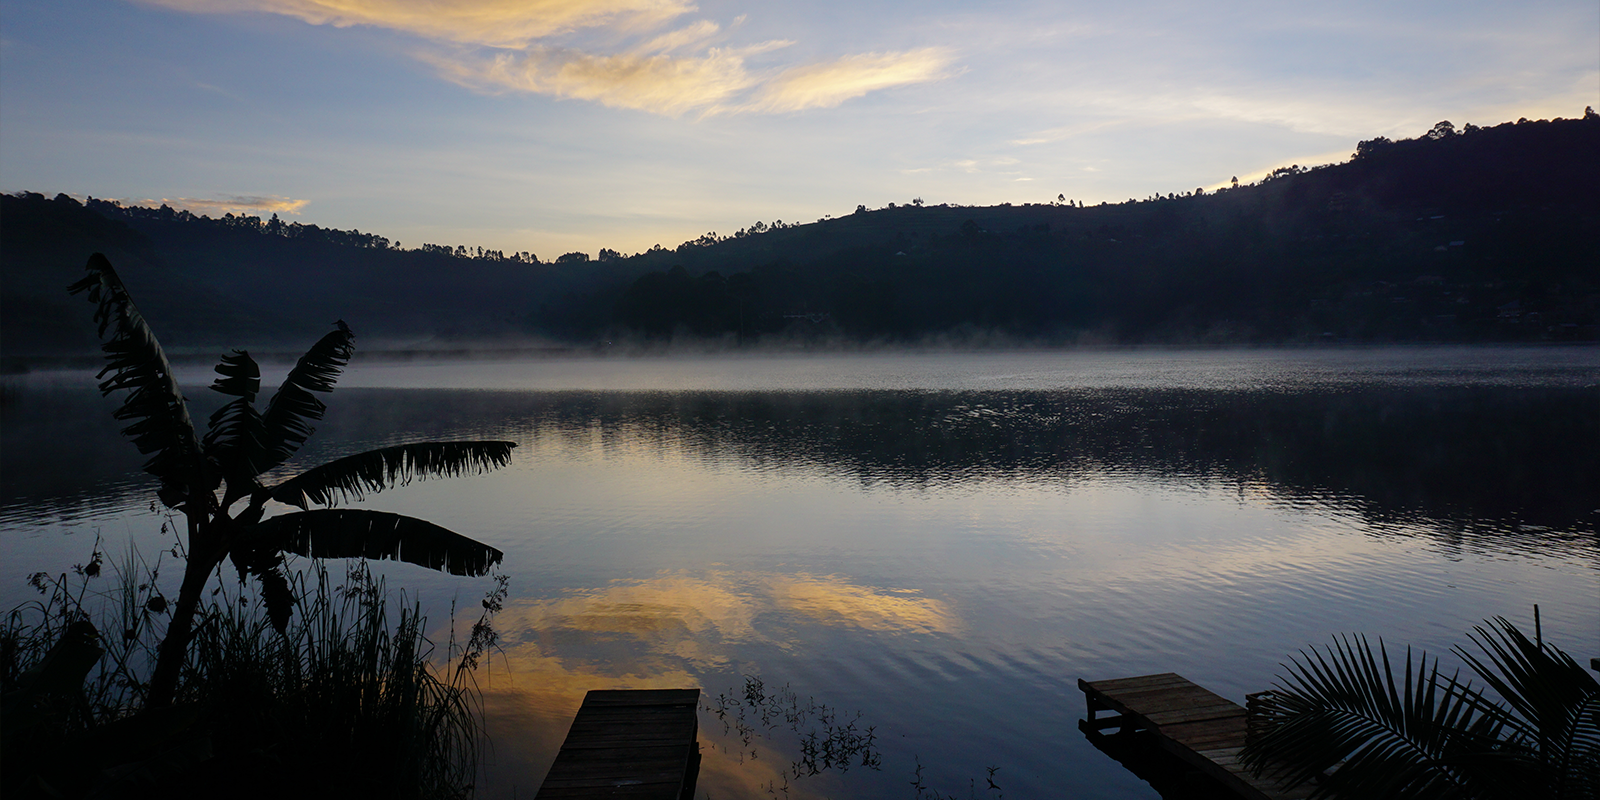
347 702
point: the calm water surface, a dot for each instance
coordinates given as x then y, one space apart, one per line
937 546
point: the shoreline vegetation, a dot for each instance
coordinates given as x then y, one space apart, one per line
1461 235
351 699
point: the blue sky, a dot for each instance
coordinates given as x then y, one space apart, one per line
560 125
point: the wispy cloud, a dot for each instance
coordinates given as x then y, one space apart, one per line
828 84
505 45
229 204
691 36
657 83
491 23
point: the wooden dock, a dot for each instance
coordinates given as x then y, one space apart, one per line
1200 727
638 744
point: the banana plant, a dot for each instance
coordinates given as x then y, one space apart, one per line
218 481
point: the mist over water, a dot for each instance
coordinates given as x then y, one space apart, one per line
944 542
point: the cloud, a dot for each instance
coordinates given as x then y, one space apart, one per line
828 84
694 34
230 204
503 45
490 23
658 83
650 80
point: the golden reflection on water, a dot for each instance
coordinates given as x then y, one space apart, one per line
666 632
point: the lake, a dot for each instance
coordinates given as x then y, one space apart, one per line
935 546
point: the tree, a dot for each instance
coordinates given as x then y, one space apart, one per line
572 258
1371 147
240 445
1342 717
1442 130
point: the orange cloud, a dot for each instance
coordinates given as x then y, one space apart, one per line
658 83
711 83
492 23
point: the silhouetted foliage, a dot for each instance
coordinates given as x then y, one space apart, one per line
1341 717
347 701
241 446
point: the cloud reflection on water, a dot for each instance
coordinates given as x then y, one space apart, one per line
670 631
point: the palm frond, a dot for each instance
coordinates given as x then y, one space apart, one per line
1341 717
357 533
349 478
161 426
287 421
1556 705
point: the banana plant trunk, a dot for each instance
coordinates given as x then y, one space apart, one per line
206 551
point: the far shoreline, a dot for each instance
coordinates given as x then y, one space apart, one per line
23 364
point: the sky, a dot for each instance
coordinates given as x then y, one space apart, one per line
553 126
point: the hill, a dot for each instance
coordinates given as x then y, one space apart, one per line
1479 234
1483 234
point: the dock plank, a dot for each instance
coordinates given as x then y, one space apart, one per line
635 744
1204 729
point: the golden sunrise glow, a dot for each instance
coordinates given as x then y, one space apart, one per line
252 205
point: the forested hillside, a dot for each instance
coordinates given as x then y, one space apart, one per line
1478 234
1473 235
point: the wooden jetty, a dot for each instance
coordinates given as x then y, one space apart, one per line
638 744
1203 729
